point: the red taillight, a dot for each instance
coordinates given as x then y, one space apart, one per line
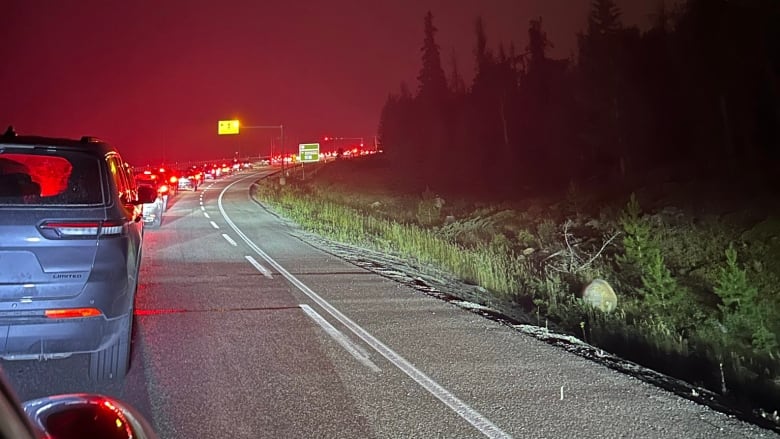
81 229
173 179
163 189
71 313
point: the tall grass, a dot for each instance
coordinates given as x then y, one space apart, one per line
493 268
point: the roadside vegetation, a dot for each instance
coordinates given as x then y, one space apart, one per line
697 288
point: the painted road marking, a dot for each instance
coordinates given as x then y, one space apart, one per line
229 239
259 266
359 353
481 423
213 224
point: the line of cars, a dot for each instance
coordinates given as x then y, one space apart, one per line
70 251
165 184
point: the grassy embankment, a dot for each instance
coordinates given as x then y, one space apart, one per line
696 271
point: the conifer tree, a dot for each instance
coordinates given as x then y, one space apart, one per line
432 81
431 102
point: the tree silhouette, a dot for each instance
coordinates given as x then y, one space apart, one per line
604 90
431 101
701 86
432 82
544 93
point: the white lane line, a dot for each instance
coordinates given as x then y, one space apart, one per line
481 423
359 353
259 267
202 207
206 214
229 239
213 224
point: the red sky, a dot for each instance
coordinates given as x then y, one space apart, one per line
154 77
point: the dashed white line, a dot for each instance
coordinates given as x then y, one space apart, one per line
202 207
206 214
359 353
213 224
259 266
229 239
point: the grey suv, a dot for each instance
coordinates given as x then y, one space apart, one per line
70 249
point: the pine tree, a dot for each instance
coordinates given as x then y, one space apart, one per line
431 102
603 87
432 81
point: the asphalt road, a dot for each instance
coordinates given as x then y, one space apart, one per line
245 330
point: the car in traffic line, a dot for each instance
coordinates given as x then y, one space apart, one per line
190 178
70 221
154 212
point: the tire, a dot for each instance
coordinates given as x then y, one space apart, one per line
112 362
157 221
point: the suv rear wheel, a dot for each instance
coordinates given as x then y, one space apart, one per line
112 362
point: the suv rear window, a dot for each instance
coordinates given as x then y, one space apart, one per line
43 178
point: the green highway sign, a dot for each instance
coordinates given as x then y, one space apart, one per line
309 152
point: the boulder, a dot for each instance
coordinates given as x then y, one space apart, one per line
599 294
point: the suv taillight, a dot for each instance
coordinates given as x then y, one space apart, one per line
163 190
80 229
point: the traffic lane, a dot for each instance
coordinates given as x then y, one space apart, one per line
244 374
401 409
198 265
193 267
396 405
486 367
229 351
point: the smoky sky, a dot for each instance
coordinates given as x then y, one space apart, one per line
154 77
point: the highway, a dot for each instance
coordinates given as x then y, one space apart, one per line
245 329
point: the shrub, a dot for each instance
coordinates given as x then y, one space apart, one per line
637 242
744 314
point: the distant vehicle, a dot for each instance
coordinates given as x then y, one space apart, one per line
70 222
188 183
189 179
154 212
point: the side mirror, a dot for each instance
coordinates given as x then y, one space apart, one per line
81 415
146 194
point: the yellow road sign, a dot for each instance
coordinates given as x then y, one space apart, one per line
227 127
